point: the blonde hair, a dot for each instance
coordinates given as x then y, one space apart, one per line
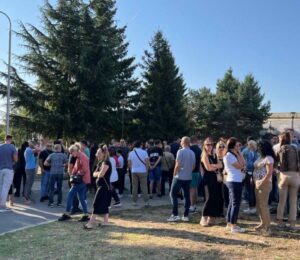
104 149
220 154
73 148
252 143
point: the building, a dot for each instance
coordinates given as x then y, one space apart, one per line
279 122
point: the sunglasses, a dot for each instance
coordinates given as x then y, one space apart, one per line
209 144
221 147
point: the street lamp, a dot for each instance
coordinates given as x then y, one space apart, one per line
293 116
8 76
123 103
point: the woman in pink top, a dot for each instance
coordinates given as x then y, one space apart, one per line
262 175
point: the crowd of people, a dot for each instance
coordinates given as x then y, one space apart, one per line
220 174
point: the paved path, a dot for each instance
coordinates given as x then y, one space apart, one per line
24 216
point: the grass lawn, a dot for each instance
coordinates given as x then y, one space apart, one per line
144 234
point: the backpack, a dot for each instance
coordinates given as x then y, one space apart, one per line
288 158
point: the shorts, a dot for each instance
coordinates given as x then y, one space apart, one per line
155 174
195 180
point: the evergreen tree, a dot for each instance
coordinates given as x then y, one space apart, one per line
80 63
162 111
201 109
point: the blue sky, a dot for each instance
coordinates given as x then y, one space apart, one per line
206 37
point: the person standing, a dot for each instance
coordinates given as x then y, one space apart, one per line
250 156
30 169
167 166
233 163
45 172
138 163
102 197
8 154
213 206
20 170
57 162
155 155
196 174
185 163
81 170
289 180
263 170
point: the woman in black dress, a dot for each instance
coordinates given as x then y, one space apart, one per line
213 206
102 196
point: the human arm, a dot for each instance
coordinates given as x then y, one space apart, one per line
240 163
211 166
101 173
269 167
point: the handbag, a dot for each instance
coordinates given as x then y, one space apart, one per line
219 177
76 179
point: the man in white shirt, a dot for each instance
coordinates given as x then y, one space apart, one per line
138 162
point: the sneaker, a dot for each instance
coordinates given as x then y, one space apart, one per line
147 205
250 211
245 202
237 229
117 204
185 219
59 205
84 218
228 228
192 209
173 218
204 222
64 217
51 205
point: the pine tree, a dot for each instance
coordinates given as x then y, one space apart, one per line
80 63
162 110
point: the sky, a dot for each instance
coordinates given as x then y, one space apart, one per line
207 37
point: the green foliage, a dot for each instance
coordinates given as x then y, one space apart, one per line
162 109
236 109
82 71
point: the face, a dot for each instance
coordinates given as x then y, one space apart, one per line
100 154
49 147
221 147
209 145
74 153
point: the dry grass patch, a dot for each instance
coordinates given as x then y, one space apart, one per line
144 234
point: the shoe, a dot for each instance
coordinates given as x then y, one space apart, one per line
51 205
17 194
204 222
84 218
147 205
11 203
139 195
185 219
173 218
228 228
64 217
250 211
120 196
159 195
245 202
59 205
237 229
192 209
117 204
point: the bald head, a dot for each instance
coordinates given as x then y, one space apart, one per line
185 141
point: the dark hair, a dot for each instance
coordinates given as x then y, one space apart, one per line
119 151
112 151
156 142
137 144
265 148
84 142
24 145
57 142
286 138
231 143
8 137
249 138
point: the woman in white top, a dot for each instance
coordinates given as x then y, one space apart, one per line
233 163
262 175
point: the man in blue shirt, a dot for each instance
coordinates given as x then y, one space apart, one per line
30 166
8 154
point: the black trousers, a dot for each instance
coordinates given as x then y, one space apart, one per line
166 175
18 177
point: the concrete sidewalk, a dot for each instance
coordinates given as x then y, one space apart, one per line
24 216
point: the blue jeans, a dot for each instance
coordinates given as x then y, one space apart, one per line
175 188
79 189
155 174
235 195
45 184
58 179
